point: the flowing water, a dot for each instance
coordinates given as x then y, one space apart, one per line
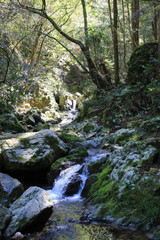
65 223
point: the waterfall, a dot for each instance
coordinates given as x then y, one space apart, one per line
62 181
74 104
60 184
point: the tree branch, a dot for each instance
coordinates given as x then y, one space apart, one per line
43 14
47 35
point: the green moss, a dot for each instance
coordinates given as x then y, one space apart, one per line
69 138
25 141
88 127
12 124
58 162
41 127
80 151
135 201
142 65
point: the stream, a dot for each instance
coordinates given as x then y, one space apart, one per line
65 222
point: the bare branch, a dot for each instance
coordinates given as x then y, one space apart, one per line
68 50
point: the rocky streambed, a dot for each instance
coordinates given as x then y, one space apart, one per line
103 182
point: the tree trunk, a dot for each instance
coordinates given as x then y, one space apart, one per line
155 24
124 35
115 41
135 24
159 43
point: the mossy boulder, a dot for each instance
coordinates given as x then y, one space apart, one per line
9 122
70 138
90 180
143 64
123 135
32 151
79 152
32 208
88 127
96 167
42 127
127 188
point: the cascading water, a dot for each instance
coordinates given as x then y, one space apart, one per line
74 104
62 181
57 192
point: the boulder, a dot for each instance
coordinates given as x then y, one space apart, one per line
11 186
128 185
33 116
96 167
4 197
32 151
90 180
123 135
32 208
5 214
51 116
74 185
142 66
9 122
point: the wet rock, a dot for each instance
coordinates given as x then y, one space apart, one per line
4 197
96 167
74 186
89 144
11 186
90 180
123 135
32 208
5 216
32 151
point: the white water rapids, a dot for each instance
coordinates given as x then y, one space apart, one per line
60 184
